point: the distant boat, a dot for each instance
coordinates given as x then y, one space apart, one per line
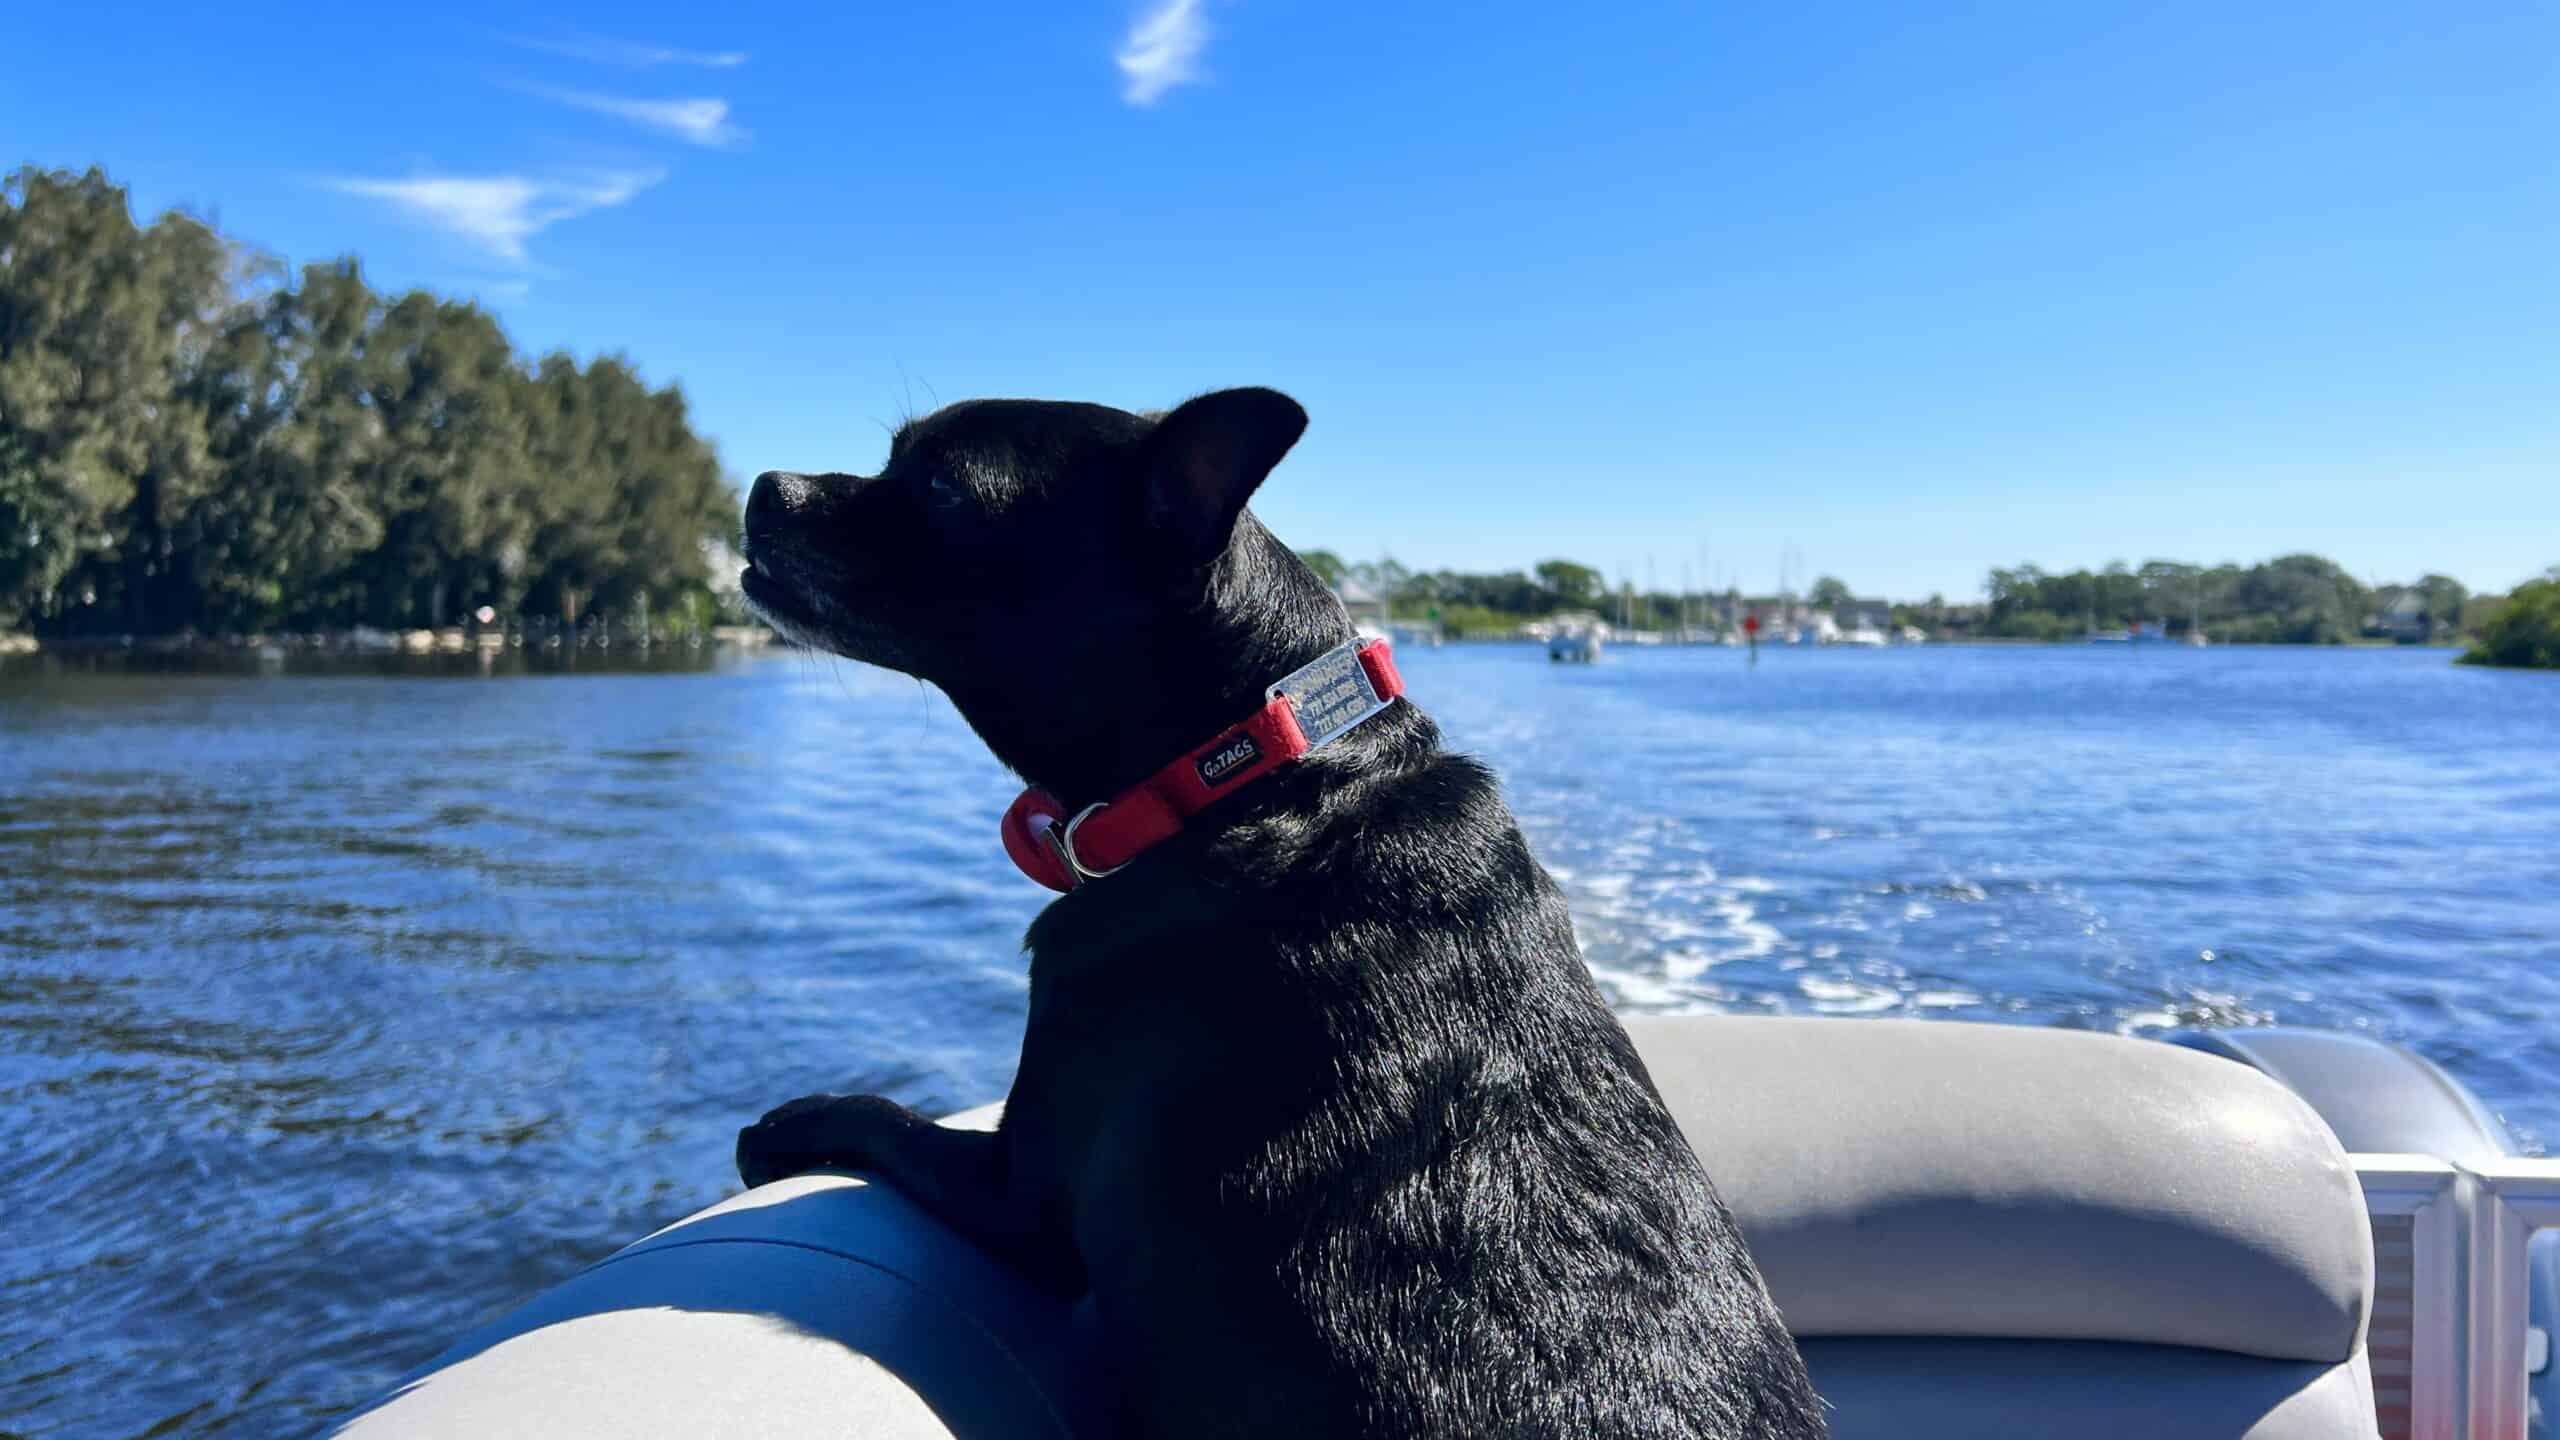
1575 644
1866 635
1579 648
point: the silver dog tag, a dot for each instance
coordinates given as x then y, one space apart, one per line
1331 695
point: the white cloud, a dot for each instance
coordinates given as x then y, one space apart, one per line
499 213
603 51
1162 51
696 122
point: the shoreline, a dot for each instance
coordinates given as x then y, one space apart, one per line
1963 642
361 640
460 640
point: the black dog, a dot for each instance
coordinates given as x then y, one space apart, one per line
1316 1097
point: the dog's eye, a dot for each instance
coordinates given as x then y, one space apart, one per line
946 490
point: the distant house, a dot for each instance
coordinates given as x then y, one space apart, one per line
1368 608
2405 619
1863 614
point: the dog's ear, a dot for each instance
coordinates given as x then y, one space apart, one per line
1207 458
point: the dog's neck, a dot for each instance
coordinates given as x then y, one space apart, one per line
1193 675
1087 758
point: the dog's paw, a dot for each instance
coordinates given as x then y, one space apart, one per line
818 1131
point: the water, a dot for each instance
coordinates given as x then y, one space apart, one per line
341 1010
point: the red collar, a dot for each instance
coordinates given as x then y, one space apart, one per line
1306 708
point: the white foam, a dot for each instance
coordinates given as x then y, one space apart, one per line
1846 997
1754 937
1687 963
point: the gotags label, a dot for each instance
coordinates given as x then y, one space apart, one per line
1232 755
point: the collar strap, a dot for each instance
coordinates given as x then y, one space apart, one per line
1306 708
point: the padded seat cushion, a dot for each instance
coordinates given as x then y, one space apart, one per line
1909 1178
814 1306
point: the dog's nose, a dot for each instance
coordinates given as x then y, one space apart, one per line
773 499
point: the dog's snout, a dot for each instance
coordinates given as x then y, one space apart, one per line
788 490
773 501
776 494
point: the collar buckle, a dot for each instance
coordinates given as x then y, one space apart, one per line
1062 838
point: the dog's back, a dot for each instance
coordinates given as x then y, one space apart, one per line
1410 1176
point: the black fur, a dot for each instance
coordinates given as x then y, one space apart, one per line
1317 1098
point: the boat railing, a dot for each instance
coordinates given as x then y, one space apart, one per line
2450 1335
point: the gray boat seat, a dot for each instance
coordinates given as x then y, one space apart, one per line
1974 1230
1981 1230
815 1306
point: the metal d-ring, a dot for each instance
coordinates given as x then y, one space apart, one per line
1067 844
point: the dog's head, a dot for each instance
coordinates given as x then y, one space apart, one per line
1084 582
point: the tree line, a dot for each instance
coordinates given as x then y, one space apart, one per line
2293 599
193 440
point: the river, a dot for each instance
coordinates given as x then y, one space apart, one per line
342 1006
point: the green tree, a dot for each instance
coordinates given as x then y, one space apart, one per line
2301 599
101 321
1327 565
1829 593
1387 577
39 529
1575 587
452 477
291 422
2444 598
2480 612
629 492
2526 632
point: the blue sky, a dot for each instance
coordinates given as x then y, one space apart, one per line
1916 289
